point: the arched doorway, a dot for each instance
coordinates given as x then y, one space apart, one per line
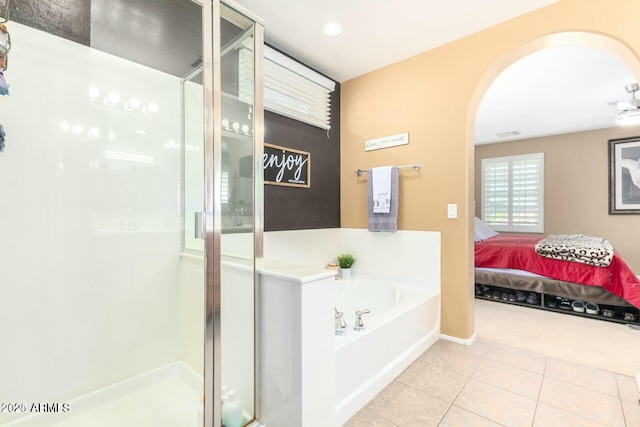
599 44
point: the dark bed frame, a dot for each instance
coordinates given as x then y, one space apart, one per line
548 289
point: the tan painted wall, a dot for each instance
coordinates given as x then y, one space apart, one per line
576 194
434 96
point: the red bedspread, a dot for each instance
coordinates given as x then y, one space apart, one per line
518 252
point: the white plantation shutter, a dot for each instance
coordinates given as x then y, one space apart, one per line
513 193
495 192
290 88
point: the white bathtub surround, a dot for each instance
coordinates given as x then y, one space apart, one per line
411 255
315 248
397 277
296 336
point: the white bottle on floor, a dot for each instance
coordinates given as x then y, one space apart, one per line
232 411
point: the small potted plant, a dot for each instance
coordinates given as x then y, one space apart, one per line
345 262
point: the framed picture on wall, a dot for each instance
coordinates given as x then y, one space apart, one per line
624 176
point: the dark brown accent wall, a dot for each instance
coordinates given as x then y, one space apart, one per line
161 34
294 208
70 19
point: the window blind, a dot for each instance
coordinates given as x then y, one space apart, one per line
290 88
513 192
224 189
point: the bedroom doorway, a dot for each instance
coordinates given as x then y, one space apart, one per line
622 68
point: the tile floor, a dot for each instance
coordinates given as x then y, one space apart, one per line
493 384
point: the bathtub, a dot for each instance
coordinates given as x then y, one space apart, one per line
403 323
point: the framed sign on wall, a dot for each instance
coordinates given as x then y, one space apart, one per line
286 166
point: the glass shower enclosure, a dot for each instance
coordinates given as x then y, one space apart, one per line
114 311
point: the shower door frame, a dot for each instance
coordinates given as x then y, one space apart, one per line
211 56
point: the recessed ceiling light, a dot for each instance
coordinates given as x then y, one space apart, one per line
332 29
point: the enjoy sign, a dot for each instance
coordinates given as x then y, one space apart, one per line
286 166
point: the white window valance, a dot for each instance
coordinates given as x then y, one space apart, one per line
290 88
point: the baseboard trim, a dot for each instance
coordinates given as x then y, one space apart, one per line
457 340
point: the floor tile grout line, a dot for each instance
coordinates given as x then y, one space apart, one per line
466 410
535 411
378 415
543 375
522 350
413 388
555 406
381 417
446 367
587 366
456 398
582 387
463 387
502 388
387 420
445 414
509 391
624 415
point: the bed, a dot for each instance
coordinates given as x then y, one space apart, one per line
510 261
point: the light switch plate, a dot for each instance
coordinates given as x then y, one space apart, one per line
452 210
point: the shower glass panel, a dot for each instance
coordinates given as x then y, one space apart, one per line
235 194
237 201
96 291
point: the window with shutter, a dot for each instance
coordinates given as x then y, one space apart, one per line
513 193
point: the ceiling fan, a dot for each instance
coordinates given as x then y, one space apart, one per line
629 110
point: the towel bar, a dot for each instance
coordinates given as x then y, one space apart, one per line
415 167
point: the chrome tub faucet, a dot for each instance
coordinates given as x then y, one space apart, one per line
359 323
341 324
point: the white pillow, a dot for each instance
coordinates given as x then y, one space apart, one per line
482 231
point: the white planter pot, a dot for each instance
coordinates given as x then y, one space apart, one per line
345 273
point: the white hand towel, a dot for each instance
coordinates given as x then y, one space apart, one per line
383 221
381 181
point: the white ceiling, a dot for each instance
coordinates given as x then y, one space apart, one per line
553 91
558 90
376 32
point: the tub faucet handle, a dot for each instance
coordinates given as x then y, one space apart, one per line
341 324
359 323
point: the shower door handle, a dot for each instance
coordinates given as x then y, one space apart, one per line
198 222
200 219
